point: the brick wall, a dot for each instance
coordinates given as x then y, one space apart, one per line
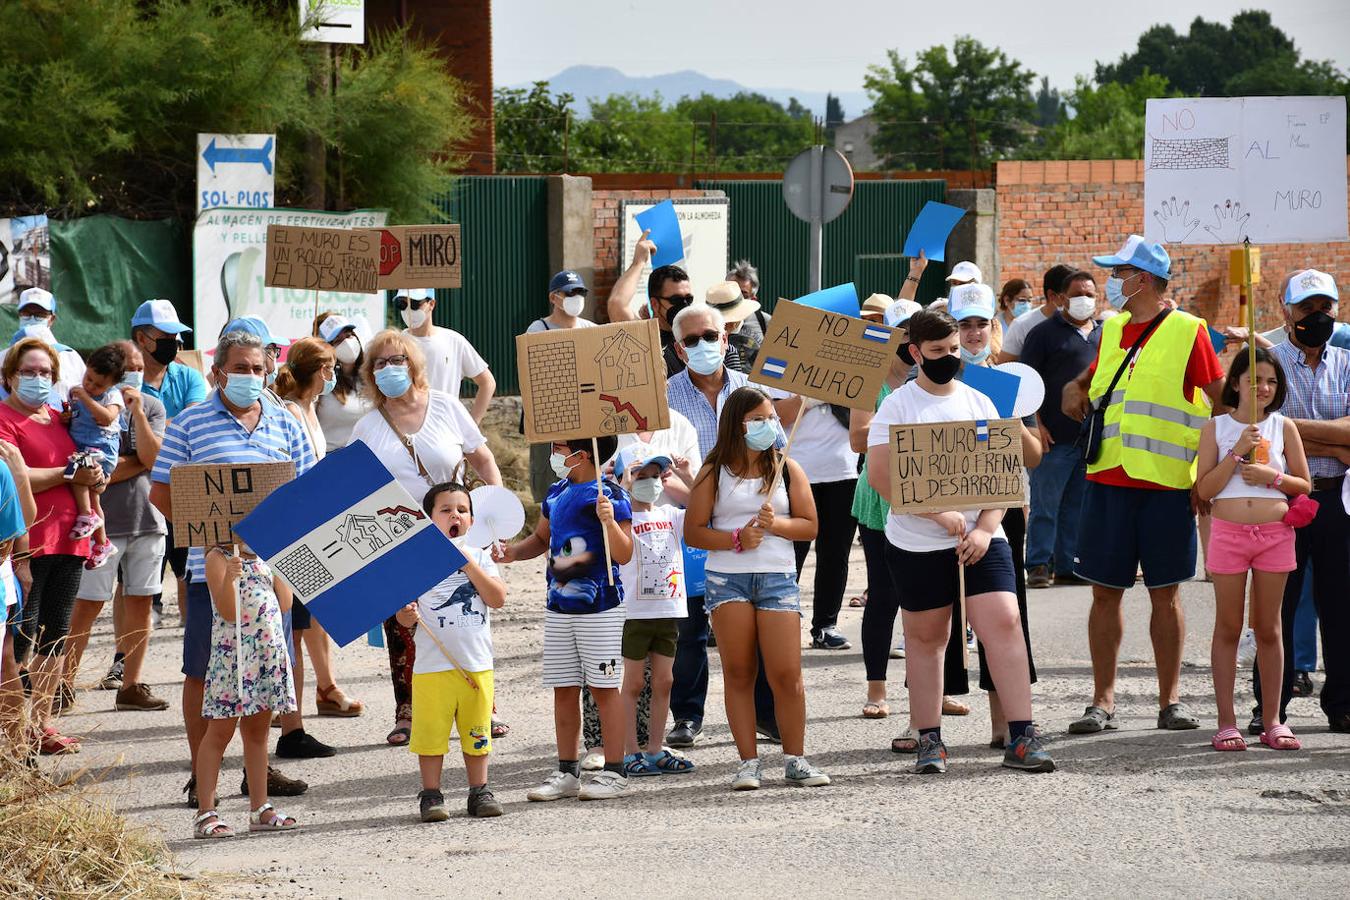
608 253
1069 211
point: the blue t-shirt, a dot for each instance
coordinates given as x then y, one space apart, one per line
182 386
89 435
576 548
11 522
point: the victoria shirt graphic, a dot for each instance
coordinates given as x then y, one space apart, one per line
459 617
654 585
576 553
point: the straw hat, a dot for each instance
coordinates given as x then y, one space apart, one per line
725 297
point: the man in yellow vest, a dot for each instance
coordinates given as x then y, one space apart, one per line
1137 510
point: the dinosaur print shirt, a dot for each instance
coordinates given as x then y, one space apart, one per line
459 618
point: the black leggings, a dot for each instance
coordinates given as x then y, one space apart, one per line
834 539
47 605
883 603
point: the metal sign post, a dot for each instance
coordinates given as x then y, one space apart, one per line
817 188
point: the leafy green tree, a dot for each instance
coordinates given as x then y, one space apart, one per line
628 133
1049 105
753 133
961 110
1107 122
532 129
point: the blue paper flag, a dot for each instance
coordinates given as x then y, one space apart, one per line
1218 340
1000 387
664 226
930 230
841 299
351 541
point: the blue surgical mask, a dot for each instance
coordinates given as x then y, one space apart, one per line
1020 307
646 490
1115 292
270 378
761 435
133 380
243 390
393 381
328 385
974 359
705 356
25 321
34 390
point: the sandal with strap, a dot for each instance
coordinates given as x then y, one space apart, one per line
208 826
331 701
500 729
401 734
859 601
638 765
668 763
1281 737
276 822
876 709
1228 739
906 742
954 707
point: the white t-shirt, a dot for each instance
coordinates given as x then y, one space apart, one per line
653 580
820 445
539 325
337 419
910 404
1017 332
460 619
738 501
450 359
447 433
680 439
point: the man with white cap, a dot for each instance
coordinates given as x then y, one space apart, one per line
1154 367
1317 385
450 356
37 314
156 332
964 273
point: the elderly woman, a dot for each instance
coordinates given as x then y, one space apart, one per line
52 576
346 404
424 437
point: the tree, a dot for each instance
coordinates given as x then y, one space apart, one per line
961 111
1107 121
1049 105
753 133
628 133
532 129
834 116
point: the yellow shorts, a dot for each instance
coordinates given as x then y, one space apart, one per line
441 699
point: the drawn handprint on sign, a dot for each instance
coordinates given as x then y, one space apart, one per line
1175 218
1230 223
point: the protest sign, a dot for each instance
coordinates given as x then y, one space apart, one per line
350 541
704 237
322 259
931 229
940 466
1221 169
192 359
588 382
825 355
664 227
420 256
210 499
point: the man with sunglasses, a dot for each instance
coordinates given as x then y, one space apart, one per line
450 356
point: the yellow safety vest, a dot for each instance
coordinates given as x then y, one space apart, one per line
1151 428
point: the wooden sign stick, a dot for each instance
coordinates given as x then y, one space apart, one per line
239 631
316 303
600 492
782 457
965 645
1251 326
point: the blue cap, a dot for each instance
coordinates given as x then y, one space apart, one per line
1310 283
971 301
1145 255
256 326
158 314
566 280
639 454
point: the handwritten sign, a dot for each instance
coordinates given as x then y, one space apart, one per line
943 466
210 499
322 259
420 256
825 355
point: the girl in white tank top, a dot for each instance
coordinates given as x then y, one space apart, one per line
1251 473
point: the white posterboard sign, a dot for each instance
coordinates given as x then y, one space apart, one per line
336 21
236 170
1272 169
705 225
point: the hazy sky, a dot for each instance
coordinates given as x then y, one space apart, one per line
796 43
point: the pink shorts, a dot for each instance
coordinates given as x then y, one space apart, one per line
1235 548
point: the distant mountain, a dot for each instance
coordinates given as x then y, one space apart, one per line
586 82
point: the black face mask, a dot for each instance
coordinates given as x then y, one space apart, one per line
166 350
1314 330
940 370
905 354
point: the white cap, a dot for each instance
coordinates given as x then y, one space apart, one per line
416 293
158 314
971 301
1305 284
966 271
331 327
898 313
38 297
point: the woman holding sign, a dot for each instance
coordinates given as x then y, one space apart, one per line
934 556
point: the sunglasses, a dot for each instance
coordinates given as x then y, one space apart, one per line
678 299
402 303
708 337
575 292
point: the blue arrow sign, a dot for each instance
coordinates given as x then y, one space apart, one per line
259 155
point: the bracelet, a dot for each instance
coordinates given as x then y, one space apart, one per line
736 540
911 278
1240 460
1279 476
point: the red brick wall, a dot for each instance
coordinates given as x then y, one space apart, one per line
1069 211
608 254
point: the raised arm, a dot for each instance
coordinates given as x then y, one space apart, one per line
620 303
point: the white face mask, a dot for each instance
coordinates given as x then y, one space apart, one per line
348 351
646 490
558 462
1081 308
414 318
25 321
574 305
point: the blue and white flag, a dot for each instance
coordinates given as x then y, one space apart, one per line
774 368
877 333
982 431
350 541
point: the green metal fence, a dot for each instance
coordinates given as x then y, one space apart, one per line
861 246
505 267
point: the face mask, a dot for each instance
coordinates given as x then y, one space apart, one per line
1314 330
329 384
1020 307
574 305
393 381
34 390
705 357
558 463
133 380
270 378
166 349
348 351
1115 291
25 321
1082 308
646 490
761 435
414 318
243 390
940 370
974 359
906 354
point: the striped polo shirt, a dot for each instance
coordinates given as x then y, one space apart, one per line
1321 393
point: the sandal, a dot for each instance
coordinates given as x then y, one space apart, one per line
876 709
952 707
1281 737
84 527
401 734
905 743
1175 717
500 729
275 822
668 763
332 702
637 764
53 743
858 601
1228 739
207 830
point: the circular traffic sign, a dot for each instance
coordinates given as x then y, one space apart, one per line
827 194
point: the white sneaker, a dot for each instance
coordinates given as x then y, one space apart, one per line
604 786
593 762
747 776
558 785
800 771
1246 654
898 652
970 638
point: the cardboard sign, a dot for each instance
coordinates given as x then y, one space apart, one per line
821 354
210 499
420 256
589 382
351 542
192 359
322 259
956 466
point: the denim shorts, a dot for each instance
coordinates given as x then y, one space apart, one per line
769 591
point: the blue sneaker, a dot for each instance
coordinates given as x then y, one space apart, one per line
1027 754
932 756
